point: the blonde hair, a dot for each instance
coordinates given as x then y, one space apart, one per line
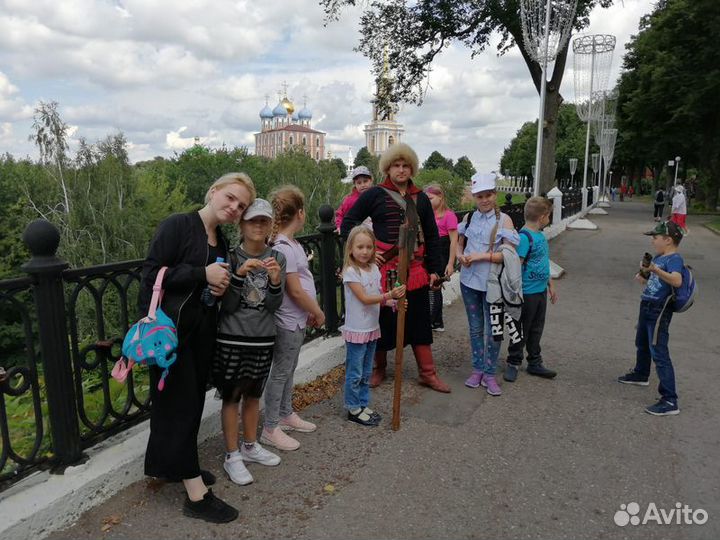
399 151
437 190
356 231
233 178
535 208
286 202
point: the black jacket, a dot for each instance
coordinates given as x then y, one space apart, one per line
386 216
181 244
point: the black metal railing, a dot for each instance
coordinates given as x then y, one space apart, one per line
571 202
55 404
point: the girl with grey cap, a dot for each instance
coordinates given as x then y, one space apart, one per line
246 338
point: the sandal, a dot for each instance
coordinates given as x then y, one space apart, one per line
362 418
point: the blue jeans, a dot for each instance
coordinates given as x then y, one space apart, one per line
358 368
647 351
485 349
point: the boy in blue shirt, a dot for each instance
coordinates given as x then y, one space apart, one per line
535 254
662 275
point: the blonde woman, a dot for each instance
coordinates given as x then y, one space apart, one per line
188 245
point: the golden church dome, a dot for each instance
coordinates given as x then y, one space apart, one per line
289 106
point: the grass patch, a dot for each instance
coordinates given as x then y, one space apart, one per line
714 225
23 415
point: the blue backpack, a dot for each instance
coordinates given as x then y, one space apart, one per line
152 341
684 295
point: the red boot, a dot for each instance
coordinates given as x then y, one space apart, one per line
426 367
378 374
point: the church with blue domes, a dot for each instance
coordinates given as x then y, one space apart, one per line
283 127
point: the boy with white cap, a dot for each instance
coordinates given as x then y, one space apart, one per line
483 232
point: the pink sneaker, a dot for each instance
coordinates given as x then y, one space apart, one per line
491 385
278 439
293 422
474 380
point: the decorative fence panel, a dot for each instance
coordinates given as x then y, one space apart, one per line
61 331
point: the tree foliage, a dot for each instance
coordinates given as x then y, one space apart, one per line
364 157
437 161
519 156
452 185
463 168
668 92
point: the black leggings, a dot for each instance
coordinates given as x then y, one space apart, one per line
172 451
659 210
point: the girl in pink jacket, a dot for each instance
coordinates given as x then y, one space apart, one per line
362 181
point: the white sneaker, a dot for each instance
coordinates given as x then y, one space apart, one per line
257 454
237 471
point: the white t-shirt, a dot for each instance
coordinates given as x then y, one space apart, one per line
679 204
358 316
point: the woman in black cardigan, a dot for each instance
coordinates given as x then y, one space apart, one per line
189 244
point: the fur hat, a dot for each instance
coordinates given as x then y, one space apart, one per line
399 151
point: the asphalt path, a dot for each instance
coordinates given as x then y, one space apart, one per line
547 459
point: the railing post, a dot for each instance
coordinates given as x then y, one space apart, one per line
43 238
327 267
556 196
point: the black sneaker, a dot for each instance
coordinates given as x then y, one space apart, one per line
208 478
663 408
541 371
210 509
631 377
362 418
511 373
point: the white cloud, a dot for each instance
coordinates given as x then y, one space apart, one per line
148 67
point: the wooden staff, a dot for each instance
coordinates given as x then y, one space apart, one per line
402 273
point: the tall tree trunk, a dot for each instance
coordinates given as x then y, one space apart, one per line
553 100
549 133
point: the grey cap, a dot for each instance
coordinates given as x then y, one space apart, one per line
360 171
259 208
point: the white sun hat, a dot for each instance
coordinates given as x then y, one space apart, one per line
482 182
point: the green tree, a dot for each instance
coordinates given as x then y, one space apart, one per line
668 92
414 33
463 168
437 161
452 185
364 157
519 157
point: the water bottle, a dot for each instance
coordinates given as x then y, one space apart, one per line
207 297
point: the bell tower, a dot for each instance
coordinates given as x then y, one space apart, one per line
384 130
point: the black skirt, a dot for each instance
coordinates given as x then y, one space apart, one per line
417 322
241 365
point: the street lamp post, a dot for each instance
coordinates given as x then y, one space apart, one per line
677 161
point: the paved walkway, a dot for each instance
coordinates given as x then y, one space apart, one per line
548 459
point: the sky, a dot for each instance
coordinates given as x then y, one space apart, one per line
166 71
